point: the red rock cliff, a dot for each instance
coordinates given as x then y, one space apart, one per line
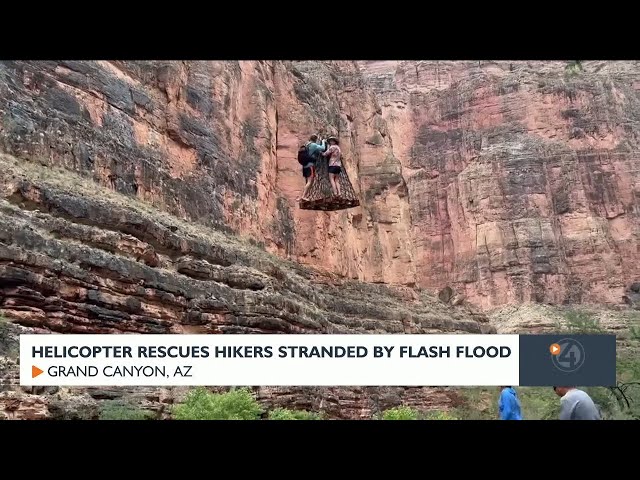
215 143
90 152
508 181
523 177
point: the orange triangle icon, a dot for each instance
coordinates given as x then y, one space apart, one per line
35 371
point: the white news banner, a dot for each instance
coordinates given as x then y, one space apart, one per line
269 360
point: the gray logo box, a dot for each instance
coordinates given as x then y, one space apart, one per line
582 360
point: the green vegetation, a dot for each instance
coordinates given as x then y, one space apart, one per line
117 410
408 413
574 67
201 404
634 326
437 415
236 404
580 321
399 413
286 414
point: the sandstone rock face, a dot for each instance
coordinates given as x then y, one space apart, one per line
215 143
75 258
146 197
508 181
15 405
523 178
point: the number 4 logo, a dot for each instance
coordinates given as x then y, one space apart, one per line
571 356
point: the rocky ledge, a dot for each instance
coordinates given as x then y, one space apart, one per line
75 258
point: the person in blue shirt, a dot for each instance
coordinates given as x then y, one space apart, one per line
314 147
509 404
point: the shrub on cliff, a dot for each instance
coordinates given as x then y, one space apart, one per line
400 413
582 322
574 67
440 416
201 404
115 410
286 414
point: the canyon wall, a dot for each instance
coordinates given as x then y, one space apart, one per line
159 197
508 181
523 178
140 197
79 258
215 143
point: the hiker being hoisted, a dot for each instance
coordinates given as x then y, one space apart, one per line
308 155
335 164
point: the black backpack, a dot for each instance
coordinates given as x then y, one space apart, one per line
303 156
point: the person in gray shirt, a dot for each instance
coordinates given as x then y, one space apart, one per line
576 404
